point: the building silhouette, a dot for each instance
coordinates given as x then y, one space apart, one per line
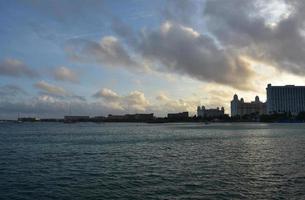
288 98
28 119
178 116
131 117
71 119
209 113
241 108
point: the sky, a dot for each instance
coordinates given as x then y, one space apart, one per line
100 57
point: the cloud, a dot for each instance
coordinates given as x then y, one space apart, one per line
50 89
66 74
57 92
270 32
109 52
16 68
267 31
47 104
107 94
181 11
135 101
162 97
183 50
218 96
124 31
173 48
166 104
10 92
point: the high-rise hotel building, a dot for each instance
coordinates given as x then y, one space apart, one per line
287 98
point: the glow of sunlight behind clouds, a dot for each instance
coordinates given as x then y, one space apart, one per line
273 11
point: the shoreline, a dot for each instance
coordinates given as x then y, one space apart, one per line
149 122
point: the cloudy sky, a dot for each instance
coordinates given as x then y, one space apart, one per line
96 57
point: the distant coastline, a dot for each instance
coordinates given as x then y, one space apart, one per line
150 118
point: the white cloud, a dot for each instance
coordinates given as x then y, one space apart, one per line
109 51
108 94
165 104
135 101
65 74
16 68
51 89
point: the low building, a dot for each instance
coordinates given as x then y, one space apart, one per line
98 119
132 117
28 119
241 108
145 117
51 120
71 119
210 113
140 117
178 116
116 117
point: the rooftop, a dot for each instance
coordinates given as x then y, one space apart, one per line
269 85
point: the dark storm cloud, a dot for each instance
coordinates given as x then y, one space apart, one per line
16 68
242 25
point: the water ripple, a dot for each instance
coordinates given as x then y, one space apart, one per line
143 161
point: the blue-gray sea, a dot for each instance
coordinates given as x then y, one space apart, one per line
152 161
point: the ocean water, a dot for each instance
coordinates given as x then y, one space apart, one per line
152 161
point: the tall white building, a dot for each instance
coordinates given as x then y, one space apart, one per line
288 98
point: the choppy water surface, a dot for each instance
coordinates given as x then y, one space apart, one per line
152 161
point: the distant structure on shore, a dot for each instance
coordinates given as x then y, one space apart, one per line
178 116
284 104
210 113
111 118
28 119
288 98
241 108
131 117
71 119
